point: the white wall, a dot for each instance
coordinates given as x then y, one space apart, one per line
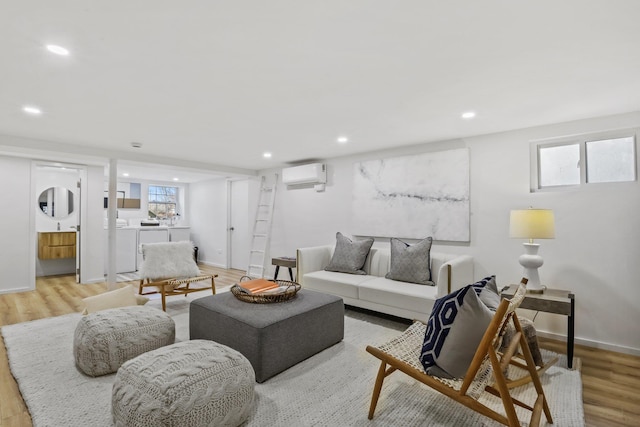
595 253
17 251
208 218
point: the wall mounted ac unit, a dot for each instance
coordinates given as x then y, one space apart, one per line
314 173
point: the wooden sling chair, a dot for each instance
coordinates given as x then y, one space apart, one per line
170 268
486 372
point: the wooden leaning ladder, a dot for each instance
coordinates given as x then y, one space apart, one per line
261 235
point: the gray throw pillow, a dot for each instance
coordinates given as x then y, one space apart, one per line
411 263
454 330
349 256
487 290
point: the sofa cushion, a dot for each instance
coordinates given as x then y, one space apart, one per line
454 330
398 294
349 256
341 284
411 263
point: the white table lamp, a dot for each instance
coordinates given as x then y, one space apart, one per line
532 224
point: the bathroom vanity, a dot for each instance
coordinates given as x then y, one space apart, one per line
56 244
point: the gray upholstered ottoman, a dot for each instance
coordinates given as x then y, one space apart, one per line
187 384
275 336
106 339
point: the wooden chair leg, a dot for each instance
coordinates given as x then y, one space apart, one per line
213 286
164 301
187 288
503 390
537 411
140 286
532 370
376 388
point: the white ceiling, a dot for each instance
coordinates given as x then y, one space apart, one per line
217 83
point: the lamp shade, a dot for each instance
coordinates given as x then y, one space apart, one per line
532 224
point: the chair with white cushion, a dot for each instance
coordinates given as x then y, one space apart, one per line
170 268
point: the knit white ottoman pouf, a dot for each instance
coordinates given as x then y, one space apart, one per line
187 384
106 339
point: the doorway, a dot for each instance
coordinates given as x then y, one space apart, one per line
57 218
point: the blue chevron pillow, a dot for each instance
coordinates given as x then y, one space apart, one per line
454 330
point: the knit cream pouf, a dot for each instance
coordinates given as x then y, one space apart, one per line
106 339
187 384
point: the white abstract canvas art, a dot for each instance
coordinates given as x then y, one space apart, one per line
413 197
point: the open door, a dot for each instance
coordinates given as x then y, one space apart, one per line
78 230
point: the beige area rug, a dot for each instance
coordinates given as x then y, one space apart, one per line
332 388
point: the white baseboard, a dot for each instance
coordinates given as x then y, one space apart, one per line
15 290
212 264
91 281
591 343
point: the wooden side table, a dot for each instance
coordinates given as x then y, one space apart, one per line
551 301
288 262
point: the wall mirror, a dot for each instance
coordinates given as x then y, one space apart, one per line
56 202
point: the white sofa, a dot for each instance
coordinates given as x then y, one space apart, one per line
373 291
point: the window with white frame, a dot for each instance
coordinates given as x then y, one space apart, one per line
610 160
163 201
586 160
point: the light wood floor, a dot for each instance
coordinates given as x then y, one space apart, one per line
610 380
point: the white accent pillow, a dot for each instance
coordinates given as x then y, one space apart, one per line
123 297
168 260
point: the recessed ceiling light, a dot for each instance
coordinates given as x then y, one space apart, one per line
176 179
58 50
29 109
468 115
125 174
267 155
343 139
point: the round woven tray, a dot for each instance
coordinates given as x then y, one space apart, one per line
290 289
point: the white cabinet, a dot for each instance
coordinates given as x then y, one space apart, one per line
151 235
178 234
126 249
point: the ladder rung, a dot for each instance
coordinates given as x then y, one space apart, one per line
256 266
259 235
257 250
262 220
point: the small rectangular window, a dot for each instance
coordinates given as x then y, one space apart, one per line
587 160
559 165
611 160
